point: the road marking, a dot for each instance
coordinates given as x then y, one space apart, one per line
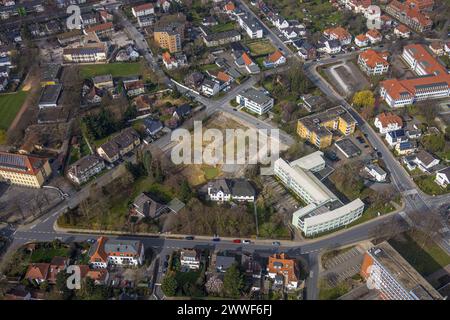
54 214
32 227
46 219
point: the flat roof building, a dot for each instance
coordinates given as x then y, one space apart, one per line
324 211
393 277
49 96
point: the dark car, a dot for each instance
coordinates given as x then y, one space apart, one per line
379 154
333 56
216 239
189 238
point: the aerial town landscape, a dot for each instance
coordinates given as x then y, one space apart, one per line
350 101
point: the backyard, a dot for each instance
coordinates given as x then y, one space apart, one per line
260 47
10 105
426 184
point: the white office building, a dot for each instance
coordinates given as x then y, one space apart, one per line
324 211
255 100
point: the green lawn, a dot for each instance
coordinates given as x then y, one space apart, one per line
210 173
10 104
222 27
427 185
426 260
327 293
261 47
209 67
46 254
118 69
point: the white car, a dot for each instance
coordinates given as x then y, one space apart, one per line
246 241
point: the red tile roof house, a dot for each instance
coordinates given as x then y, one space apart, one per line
338 33
274 60
37 272
361 40
374 36
100 276
143 10
402 31
386 122
373 62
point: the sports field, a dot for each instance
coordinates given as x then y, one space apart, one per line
9 106
119 69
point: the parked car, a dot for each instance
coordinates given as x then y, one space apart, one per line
236 241
276 243
216 239
189 238
91 241
246 241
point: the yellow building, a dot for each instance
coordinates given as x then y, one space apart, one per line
24 170
317 128
169 36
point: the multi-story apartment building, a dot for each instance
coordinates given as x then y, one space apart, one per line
255 100
85 168
433 81
119 145
324 211
143 10
106 252
281 265
250 26
412 17
393 277
316 127
169 36
100 29
24 170
373 62
87 54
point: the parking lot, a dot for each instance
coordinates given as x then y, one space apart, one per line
284 201
343 266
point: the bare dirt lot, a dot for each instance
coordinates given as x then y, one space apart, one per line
347 78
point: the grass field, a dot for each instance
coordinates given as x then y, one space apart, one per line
10 104
427 185
426 260
222 27
259 48
211 172
121 69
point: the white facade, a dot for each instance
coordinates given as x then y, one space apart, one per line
210 89
251 27
376 172
255 105
142 12
315 218
442 178
392 126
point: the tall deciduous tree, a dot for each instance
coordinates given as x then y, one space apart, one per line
233 282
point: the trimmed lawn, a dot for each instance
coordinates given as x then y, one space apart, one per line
10 105
222 27
427 185
426 260
259 48
209 67
118 69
